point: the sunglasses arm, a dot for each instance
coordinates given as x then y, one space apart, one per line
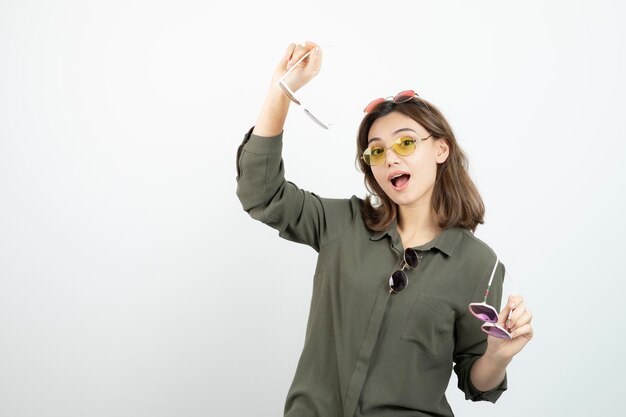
491 280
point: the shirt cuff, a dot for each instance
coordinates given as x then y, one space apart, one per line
262 144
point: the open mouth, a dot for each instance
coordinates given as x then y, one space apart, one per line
399 182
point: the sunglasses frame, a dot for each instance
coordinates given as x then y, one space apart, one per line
408 252
395 142
289 92
401 97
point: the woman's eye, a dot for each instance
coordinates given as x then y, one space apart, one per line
407 142
376 151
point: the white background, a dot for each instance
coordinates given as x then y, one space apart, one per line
132 283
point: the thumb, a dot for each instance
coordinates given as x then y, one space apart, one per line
504 314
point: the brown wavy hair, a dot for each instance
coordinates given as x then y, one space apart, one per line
455 198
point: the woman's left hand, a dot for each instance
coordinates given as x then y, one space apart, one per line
518 325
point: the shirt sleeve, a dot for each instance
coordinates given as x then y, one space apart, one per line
298 215
471 341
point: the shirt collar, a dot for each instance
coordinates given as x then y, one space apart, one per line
446 241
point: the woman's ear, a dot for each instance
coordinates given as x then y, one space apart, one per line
442 150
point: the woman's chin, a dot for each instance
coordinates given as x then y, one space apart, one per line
405 198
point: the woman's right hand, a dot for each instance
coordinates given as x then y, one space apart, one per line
304 72
272 117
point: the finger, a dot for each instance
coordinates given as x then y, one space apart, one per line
517 299
288 54
525 330
315 62
518 312
512 302
310 45
298 53
504 313
524 319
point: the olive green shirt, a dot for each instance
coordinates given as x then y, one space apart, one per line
369 352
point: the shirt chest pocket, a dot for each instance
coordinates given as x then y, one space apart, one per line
430 325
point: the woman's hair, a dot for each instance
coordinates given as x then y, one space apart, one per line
455 198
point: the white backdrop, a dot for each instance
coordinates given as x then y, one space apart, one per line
132 283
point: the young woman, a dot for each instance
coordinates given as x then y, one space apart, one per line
396 274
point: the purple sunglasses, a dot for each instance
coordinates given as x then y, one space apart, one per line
489 314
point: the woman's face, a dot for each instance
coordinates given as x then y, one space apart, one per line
418 170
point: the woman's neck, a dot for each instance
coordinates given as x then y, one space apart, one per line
417 225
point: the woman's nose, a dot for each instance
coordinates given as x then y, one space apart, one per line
391 157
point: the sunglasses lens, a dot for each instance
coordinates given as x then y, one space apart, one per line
374 156
404 147
373 104
410 257
495 331
484 312
398 281
404 96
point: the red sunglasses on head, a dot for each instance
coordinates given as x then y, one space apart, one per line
401 97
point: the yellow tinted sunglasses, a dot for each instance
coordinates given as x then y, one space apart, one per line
403 146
